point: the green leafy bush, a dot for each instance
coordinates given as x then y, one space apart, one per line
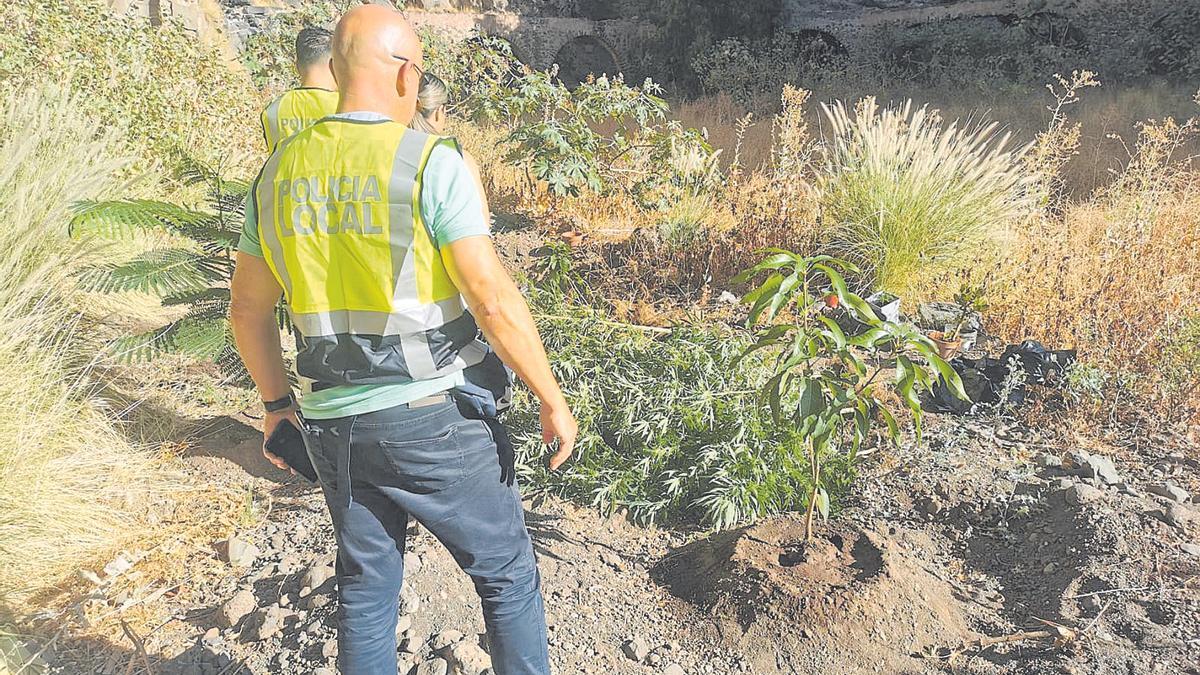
159 83
270 54
670 425
560 142
907 197
823 385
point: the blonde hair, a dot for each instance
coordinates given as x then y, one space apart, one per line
431 97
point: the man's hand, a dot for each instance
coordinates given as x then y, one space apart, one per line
272 420
559 423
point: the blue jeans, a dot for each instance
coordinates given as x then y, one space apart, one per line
441 468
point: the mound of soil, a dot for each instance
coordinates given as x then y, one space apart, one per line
847 602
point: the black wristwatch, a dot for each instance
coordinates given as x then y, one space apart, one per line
280 403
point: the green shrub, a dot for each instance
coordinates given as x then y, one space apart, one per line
825 384
670 424
907 197
71 488
270 54
169 91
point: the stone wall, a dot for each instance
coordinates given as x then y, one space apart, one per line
203 18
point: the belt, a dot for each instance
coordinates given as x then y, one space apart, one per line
419 403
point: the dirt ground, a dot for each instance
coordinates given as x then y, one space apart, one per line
992 549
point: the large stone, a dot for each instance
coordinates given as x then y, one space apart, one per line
611 559
315 576
1079 494
410 602
673 669
239 552
636 649
446 638
1178 515
1094 466
236 608
469 658
403 624
433 667
412 563
1170 491
266 623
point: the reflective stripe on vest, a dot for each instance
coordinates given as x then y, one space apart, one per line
365 284
293 110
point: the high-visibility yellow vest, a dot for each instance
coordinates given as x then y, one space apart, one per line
339 216
293 110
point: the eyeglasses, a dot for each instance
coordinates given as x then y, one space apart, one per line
420 70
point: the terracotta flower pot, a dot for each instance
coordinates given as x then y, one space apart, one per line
947 349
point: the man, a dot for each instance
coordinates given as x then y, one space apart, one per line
316 96
375 235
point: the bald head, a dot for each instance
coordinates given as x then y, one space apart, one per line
376 61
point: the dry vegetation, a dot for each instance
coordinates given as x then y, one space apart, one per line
72 488
1110 271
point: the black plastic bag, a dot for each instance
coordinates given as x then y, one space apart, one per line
984 379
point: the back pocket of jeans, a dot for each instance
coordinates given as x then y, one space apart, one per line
425 465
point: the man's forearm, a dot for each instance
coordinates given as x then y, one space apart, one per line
509 327
257 338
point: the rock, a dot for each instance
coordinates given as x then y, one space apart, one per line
1048 461
412 563
1190 549
1127 489
446 639
433 667
1170 491
1179 516
323 671
673 669
728 298
636 649
239 552
409 602
317 600
315 576
236 608
611 559
266 623
1098 467
469 658
403 624
1079 494
212 637
329 649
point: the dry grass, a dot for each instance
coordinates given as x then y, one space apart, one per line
1116 277
1104 260
910 198
72 490
1102 113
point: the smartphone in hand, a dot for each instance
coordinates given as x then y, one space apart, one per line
287 443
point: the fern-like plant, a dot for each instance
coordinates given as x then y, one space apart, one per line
193 270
